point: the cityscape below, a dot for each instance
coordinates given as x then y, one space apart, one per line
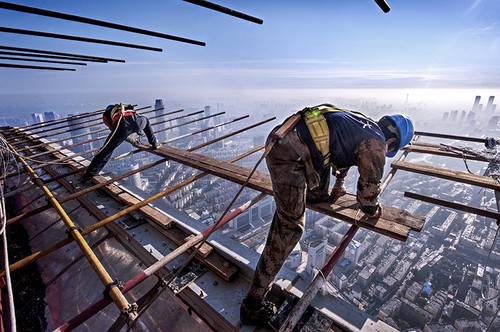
444 278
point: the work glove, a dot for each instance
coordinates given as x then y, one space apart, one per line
338 190
132 140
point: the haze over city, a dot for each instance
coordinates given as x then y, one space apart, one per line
440 53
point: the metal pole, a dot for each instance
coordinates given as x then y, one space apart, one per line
34 256
44 61
69 17
114 292
8 65
109 181
53 122
225 10
78 38
67 55
90 123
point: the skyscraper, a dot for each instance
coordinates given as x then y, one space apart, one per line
476 103
76 129
37 117
159 128
49 116
489 104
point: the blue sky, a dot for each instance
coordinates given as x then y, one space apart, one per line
428 49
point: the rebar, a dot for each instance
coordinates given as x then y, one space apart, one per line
78 38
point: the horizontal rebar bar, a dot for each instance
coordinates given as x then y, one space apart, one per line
106 182
86 20
34 256
77 38
114 292
44 61
225 10
8 65
68 127
79 56
50 56
96 131
49 123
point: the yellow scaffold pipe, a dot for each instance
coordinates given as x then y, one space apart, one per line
103 275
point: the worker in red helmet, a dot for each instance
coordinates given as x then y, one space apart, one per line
325 139
123 121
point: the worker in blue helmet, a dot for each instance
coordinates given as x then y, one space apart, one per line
326 139
123 121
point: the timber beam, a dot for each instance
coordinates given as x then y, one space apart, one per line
457 176
394 222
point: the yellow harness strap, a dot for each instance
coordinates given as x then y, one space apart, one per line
318 127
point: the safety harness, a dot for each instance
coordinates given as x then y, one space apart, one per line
116 113
318 127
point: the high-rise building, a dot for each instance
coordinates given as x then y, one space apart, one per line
316 255
160 133
77 134
476 103
489 104
49 116
36 117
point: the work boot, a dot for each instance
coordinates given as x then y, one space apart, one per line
256 312
86 178
156 145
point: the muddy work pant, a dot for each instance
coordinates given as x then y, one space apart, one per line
127 126
288 172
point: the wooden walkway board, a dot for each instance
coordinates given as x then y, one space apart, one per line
394 222
457 176
436 149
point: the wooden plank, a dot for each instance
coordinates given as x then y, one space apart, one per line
457 176
397 224
437 149
453 205
222 267
149 212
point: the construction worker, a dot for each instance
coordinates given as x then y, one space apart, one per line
325 138
123 121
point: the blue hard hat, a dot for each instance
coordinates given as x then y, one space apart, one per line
110 106
402 128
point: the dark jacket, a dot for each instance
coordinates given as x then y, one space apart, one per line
354 141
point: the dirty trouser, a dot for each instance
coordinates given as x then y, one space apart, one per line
288 176
127 126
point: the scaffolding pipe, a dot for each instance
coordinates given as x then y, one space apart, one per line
67 146
67 55
70 157
33 257
114 292
101 184
78 38
83 134
64 126
142 276
104 129
8 65
89 123
32 126
48 57
320 278
44 61
225 10
86 20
